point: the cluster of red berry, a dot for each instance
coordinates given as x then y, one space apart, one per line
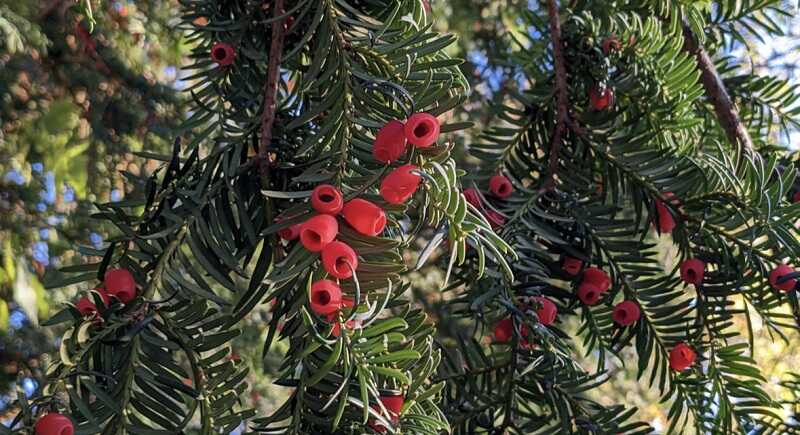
500 187
628 312
693 270
117 283
319 233
595 282
420 130
546 313
340 260
391 142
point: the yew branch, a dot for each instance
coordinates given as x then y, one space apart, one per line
724 107
562 94
271 87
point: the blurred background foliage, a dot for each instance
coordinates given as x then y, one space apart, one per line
75 107
82 108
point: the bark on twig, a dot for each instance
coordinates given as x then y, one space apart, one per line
271 87
724 107
562 94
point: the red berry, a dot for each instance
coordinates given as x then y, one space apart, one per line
523 342
336 257
390 142
336 331
601 101
54 424
500 186
223 54
400 184
325 298
318 231
572 266
665 221
291 232
496 219
611 44
503 330
287 24
87 306
598 277
327 199
547 312
589 293
393 404
350 324
346 303
120 284
796 197
692 271
364 216
779 272
626 313
473 197
681 357
422 130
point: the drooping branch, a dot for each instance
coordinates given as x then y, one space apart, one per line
271 86
562 96
715 90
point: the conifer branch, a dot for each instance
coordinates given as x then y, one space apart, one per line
166 255
562 96
271 87
724 107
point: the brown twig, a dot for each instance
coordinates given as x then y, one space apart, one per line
562 96
271 88
715 91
